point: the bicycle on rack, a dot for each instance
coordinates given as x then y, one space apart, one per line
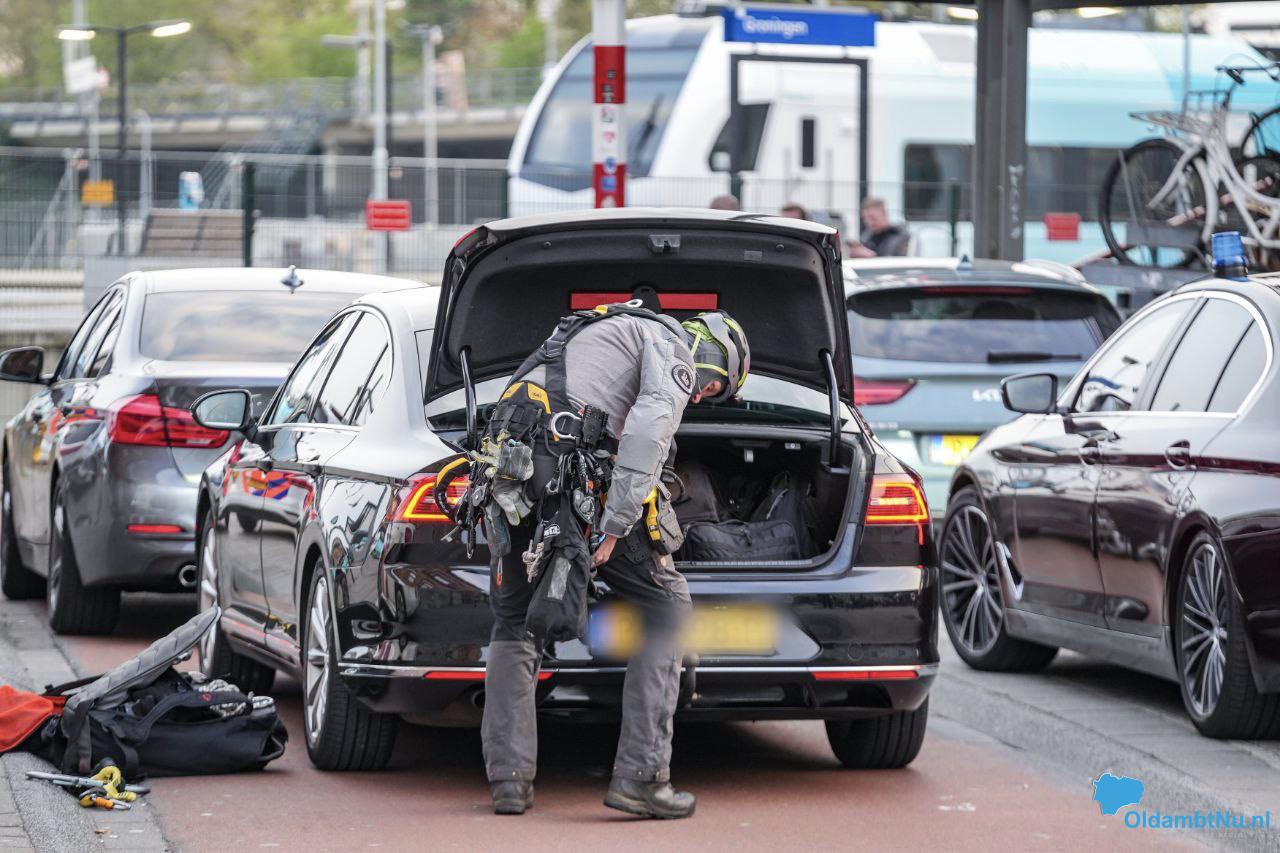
1165 196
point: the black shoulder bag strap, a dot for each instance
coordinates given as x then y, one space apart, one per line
139 731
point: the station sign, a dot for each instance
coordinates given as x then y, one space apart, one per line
98 193
392 214
771 25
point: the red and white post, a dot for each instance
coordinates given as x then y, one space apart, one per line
608 127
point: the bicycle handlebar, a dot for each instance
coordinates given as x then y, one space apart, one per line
1237 72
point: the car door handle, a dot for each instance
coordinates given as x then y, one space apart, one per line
1178 454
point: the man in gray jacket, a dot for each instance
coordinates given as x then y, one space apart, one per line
641 369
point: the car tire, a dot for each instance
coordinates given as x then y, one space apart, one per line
216 657
73 607
17 582
971 598
1214 674
341 732
879 743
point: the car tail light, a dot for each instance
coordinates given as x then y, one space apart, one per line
154 529
419 505
864 674
144 420
877 392
896 499
467 675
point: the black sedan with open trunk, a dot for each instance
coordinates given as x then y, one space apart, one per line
321 540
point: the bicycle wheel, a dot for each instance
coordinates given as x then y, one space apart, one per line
1263 136
1144 227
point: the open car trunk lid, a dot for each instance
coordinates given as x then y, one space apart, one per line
507 284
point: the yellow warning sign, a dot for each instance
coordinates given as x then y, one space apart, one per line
98 192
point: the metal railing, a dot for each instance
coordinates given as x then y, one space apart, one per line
310 208
460 90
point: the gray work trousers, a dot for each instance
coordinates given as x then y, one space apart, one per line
650 689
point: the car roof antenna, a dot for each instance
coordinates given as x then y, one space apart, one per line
291 279
964 264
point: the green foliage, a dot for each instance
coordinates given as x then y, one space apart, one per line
525 47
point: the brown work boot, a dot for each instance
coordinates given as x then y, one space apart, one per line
649 799
511 797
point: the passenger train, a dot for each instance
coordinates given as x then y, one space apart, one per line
824 126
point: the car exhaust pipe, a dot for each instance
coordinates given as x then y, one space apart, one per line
188 575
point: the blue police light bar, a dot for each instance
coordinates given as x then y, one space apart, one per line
1228 249
1228 256
783 26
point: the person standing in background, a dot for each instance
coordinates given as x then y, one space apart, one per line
880 237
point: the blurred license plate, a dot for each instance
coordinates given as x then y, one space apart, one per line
617 630
951 449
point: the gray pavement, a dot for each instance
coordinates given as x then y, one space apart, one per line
1090 718
37 815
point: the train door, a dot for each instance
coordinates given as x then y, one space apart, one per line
800 128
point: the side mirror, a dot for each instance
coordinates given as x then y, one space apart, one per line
225 410
1030 393
24 364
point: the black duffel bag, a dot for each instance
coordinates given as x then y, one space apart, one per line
740 541
153 720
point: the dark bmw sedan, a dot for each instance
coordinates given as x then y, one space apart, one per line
99 471
323 544
1134 515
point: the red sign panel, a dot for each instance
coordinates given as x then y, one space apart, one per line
668 301
1062 226
388 215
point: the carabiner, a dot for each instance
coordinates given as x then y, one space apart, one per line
551 424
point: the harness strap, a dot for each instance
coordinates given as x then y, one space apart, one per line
552 351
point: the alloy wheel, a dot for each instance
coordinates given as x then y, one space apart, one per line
970 580
316 688
207 595
1204 629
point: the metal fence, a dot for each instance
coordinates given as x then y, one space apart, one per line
456 89
309 209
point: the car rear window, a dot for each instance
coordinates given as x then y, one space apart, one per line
979 324
234 325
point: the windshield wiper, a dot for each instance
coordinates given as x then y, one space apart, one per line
1006 356
647 129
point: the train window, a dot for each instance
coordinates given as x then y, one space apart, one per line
808 143
1200 358
937 177
753 118
561 140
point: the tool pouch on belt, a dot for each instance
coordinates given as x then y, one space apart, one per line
558 611
665 533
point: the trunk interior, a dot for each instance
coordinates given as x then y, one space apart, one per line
743 481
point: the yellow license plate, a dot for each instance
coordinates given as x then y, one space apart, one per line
951 449
617 630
